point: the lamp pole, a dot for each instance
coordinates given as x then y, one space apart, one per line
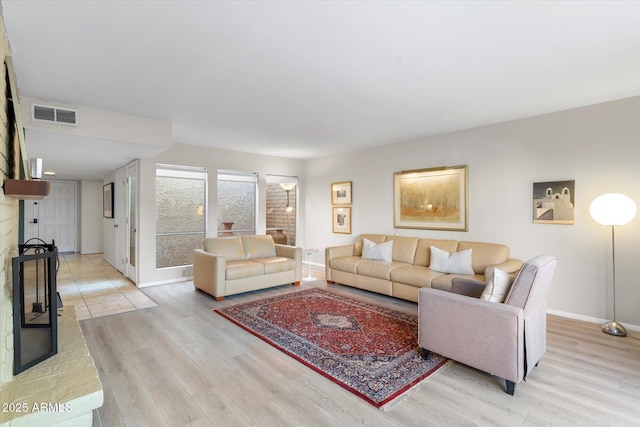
613 327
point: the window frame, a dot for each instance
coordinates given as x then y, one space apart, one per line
188 173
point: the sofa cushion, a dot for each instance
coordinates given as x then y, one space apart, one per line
346 263
229 247
415 275
380 252
243 268
276 264
259 246
381 270
498 286
375 238
456 262
423 250
445 282
485 254
404 248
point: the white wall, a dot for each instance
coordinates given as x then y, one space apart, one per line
91 227
109 125
597 146
212 160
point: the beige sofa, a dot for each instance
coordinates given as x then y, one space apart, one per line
232 265
408 271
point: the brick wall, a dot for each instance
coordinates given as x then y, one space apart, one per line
277 216
8 223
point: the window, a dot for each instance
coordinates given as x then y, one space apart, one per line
237 203
282 208
181 214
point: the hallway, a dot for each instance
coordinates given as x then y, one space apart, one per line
96 288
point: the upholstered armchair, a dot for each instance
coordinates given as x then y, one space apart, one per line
504 339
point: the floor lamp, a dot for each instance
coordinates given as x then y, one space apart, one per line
288 186
613 209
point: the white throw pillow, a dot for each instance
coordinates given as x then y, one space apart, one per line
456 262
379 252
498 287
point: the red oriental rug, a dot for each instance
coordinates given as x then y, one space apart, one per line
368 349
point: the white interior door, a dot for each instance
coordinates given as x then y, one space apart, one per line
54 217
131 221
120 219
31 217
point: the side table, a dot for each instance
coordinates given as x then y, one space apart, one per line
308 253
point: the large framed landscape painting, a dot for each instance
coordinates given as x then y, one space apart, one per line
431 199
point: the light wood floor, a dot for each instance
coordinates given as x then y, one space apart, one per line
181 364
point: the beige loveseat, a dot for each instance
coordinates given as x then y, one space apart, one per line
232 265
408 270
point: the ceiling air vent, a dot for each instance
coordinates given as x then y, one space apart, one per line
53 114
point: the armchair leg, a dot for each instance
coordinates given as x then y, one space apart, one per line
511 387
218 298
331 282
426 354
296 283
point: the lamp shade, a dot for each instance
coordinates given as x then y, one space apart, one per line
613 209
287 186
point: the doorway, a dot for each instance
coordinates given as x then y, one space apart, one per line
131 221
54 217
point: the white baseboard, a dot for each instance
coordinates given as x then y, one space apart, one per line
165 282
317 264
560 313
589 319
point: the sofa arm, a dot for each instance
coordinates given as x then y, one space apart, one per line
482 334
335 252
512 265
209 272
294 253
338 251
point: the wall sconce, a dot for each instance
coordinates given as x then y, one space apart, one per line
36 168
288 186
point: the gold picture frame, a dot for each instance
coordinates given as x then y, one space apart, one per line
341 219
341 193
431 199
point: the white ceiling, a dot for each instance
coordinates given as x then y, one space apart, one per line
308 79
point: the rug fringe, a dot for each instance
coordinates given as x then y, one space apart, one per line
388 407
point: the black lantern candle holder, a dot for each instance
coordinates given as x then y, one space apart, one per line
35 304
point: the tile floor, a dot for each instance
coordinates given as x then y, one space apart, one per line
96 288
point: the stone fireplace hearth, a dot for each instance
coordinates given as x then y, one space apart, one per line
62 390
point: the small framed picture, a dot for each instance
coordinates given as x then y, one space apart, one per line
341 193
342 220
554 202
107 200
